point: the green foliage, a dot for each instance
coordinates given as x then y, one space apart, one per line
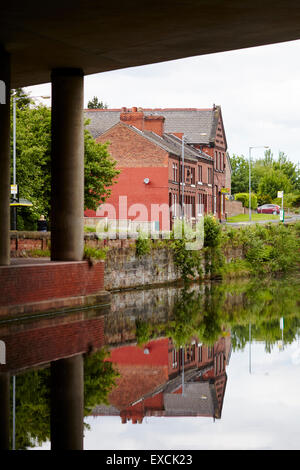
240 174
38 253
96 104
273 248
270 184
290 200
273 172
91 252
212 231
244 199
189 262
142 245
143 332
89 229
33 149
99 379
99 172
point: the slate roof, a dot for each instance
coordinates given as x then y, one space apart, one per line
170 144
199 399
173 145
198 125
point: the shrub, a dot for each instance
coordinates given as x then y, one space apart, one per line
244 198
142 245
212 231
94 253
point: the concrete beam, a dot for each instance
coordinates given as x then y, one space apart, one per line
67 162
4 158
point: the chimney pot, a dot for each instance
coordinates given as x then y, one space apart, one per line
134 109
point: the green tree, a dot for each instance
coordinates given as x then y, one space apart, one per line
23 99
240 174
288 168
270 183
99 172
96 104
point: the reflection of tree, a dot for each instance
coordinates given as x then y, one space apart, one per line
99 379
197 315
232 306
263 305
32 408
33 397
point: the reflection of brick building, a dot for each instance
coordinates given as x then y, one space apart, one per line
151 380
37 342
147 144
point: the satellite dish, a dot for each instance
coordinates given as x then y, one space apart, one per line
146 180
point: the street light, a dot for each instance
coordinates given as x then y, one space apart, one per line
15 99
250 148
182 177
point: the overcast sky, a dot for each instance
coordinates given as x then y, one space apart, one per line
257 88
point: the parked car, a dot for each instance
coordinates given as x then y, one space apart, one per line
268 209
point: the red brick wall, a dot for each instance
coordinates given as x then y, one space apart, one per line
34 283
131 149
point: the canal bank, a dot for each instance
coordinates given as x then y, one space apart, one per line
228 252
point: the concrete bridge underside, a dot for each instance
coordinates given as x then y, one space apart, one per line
69 39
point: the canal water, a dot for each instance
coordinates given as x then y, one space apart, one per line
210 366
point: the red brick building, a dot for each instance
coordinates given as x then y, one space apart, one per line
147 145
150 382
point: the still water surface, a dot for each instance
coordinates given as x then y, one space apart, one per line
237 387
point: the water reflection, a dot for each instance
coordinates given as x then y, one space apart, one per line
167 381
155 353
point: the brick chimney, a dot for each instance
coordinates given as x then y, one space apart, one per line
178 134
155 124
137 119
133 117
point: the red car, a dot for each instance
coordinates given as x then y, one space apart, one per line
268 209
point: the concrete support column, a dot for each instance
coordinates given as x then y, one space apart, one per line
4 158
4 410
67 401
67 161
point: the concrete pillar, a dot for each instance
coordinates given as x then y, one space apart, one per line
67 401
4 158
4 411
67 161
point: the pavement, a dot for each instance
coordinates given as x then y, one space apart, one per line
289 219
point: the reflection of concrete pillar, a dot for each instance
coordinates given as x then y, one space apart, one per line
67 160
4 158
4 411
67 401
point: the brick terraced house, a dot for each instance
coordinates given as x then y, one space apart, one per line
147 145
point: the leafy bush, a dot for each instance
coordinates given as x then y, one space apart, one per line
94 253
244 199
273 248
142 245
212 231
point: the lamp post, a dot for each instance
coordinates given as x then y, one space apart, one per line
15 99
182 177
250 148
